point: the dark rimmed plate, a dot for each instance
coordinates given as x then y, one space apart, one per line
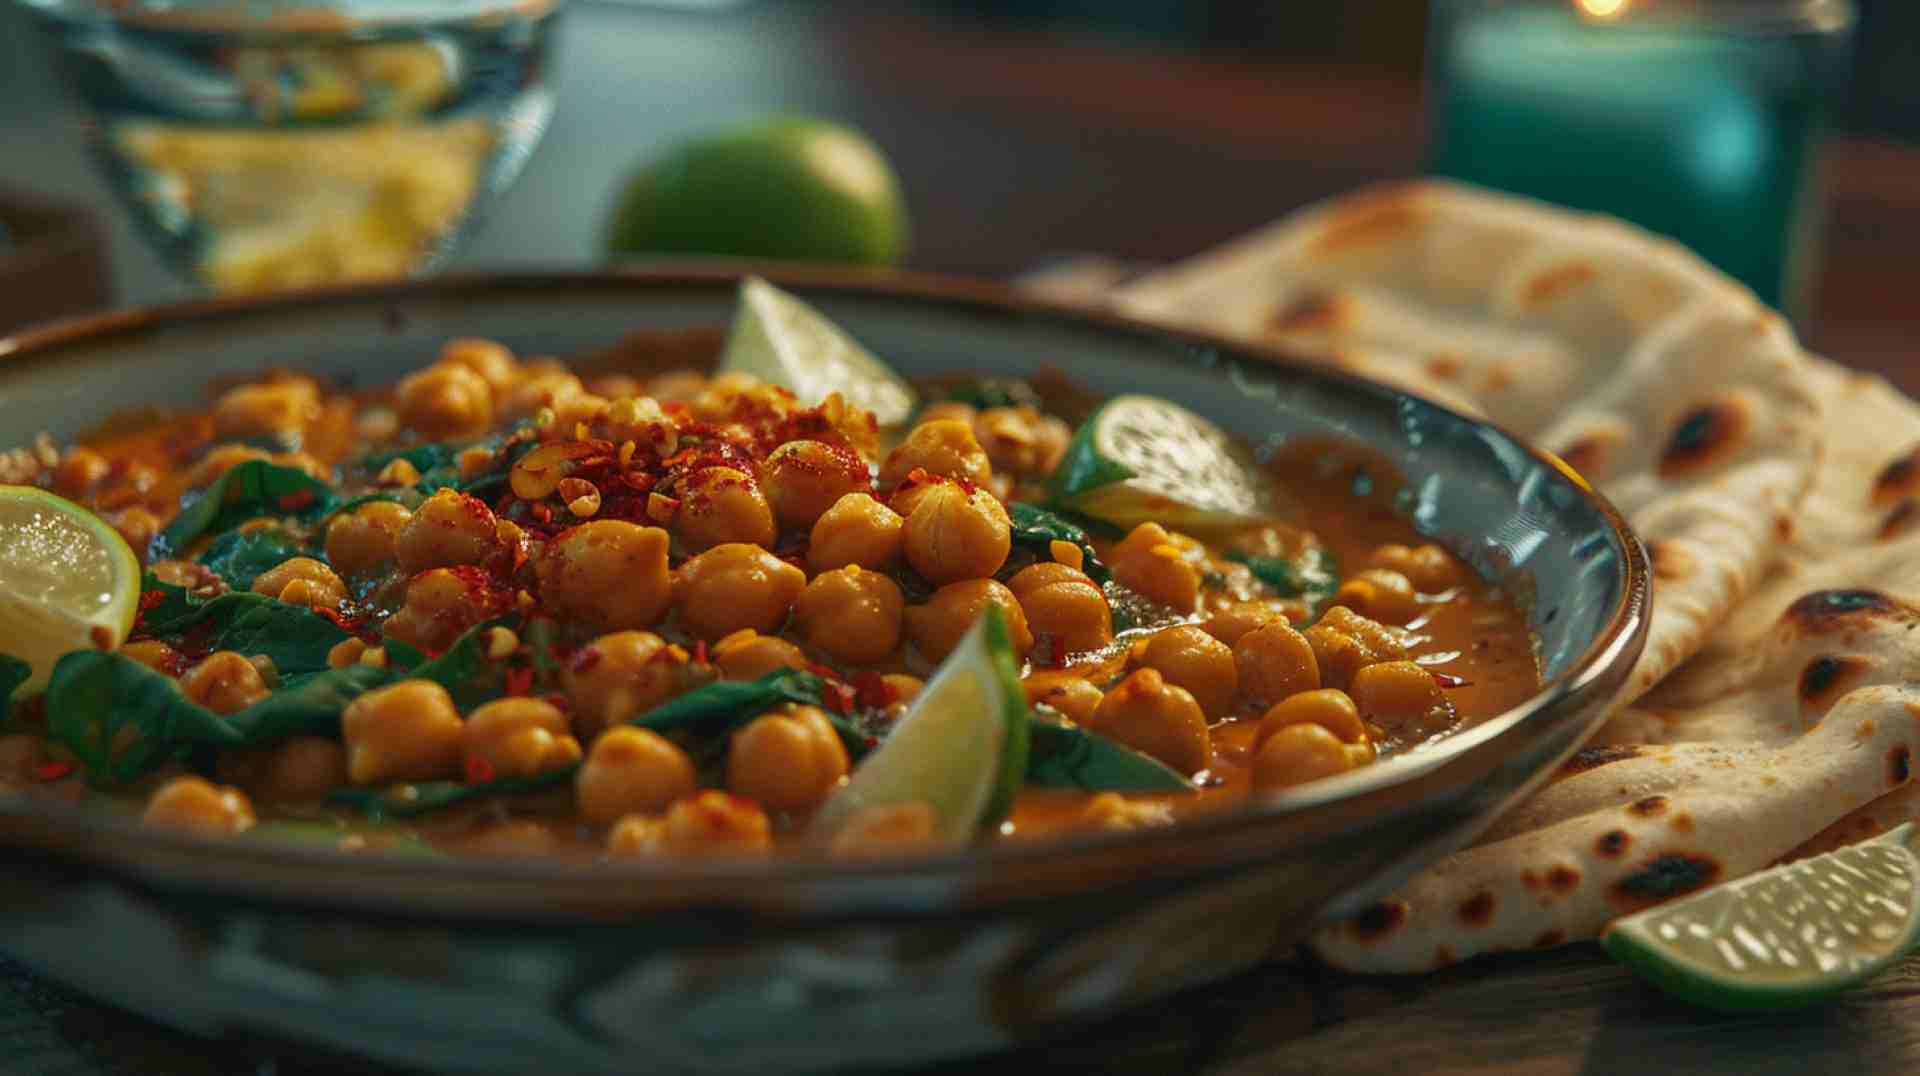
527 965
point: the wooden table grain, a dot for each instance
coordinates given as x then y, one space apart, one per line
1016 146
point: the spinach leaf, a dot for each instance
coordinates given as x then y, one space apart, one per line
122 719
13 673
1067 756
239 557
295 637
424 458
1312 576
1035 529
464 669
253 488
405 801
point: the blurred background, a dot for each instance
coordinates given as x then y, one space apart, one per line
1022 132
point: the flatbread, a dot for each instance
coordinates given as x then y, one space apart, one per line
1668 386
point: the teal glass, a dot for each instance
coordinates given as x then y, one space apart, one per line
1698 119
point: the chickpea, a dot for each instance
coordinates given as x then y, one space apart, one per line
748 655
805 478
567 413
949 410
1044 573
1156 718
225 682
450 529
609 573
1274 661
710 823
943 447
1073 615
939 625
1232 622
493 362
1329 708
1114 813
631 771
1379 593
1402 697
621 676
407 731
366 540
538 387
302 581
856 530
138 526
195 805
80 470
301 770
221 459
789 760
1021 440
1190 658
441 604
852 615
721 505
641 419
677 386
155 655
279 409
735 586
1428 567
1074 696
1158 565
1344 642
616 386
445 401
714 402
21 756
953 534
1296 754
883 829
516 737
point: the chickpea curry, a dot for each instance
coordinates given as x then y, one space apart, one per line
509 606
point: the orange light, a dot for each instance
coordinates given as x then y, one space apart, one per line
1602 9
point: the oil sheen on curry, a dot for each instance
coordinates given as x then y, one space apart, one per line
626 608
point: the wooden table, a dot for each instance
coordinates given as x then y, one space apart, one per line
1017 146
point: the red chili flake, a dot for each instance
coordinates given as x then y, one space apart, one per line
838 697
151 599
52 771
700 652
1057 650
873 691
873 742
1449 680
519 681
298 499
479 771
542 513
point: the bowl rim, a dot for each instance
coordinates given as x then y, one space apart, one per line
601 889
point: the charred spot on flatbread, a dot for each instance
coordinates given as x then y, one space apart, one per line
1562 878
1612 844
1665 876
1670 562
1592 758
1899 765
1900 520
1377 921
1647 807
1826 678
1820 611
1588 453
1445 366
1376 217
1477 910
1704 436
1551 284
1315 311
1897 480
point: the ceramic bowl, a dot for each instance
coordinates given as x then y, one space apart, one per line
534 966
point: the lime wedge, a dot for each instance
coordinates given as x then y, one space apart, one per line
961 748
1785 937
1141 458
67 581
777 338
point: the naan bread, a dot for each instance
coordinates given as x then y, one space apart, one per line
1665 384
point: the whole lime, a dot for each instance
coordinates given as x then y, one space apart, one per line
789 188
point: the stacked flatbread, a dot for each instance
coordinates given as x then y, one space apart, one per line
1776 710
